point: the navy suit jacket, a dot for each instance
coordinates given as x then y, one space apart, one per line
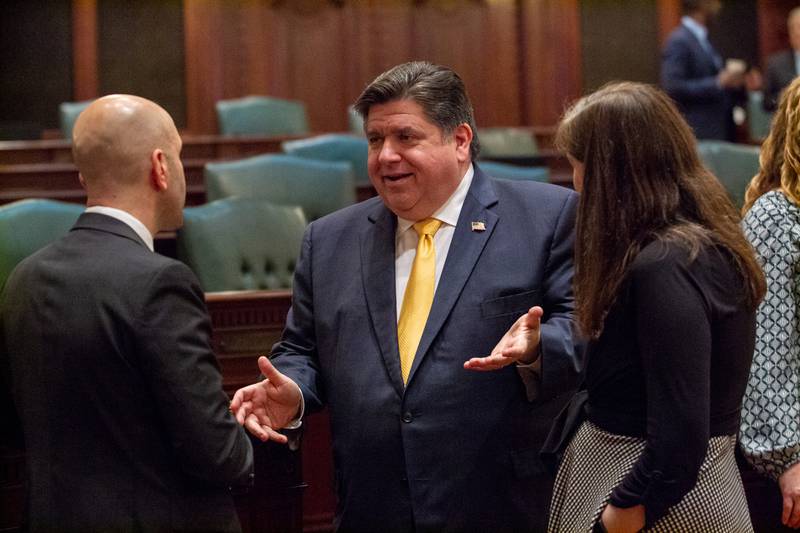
454 449
781 70
126 425
689 76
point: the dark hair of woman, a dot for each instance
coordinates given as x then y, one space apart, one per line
779 163
643 180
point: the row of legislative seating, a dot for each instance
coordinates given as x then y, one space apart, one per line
251 115
240 240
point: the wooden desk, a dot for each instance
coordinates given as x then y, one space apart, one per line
245 325
59 181
211 147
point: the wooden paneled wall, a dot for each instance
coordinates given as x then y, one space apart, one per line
519 59
522 60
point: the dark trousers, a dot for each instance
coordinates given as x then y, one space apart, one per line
764 499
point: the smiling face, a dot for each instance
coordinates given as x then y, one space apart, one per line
412 164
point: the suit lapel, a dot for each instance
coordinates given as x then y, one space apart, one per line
377 269
465 249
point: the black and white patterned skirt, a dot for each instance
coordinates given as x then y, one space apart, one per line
596 461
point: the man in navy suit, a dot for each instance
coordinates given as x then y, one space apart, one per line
693 74
433 444
107 348
782 67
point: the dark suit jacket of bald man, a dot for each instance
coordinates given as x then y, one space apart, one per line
455 449
125 422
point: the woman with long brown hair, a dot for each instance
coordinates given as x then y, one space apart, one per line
666 288
770 429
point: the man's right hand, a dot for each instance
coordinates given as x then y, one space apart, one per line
269 405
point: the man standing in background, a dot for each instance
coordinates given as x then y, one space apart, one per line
694 76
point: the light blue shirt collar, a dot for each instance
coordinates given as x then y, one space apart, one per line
697 29
131 221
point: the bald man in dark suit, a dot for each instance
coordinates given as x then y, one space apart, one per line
106 347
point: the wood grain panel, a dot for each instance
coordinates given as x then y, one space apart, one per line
479 40
669 16
84 49
325 53
551 65
772 31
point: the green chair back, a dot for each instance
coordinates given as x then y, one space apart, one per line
28 225
758 120
319 187
67 115
261 115
334 147
241 244
514 172
733 164
507 142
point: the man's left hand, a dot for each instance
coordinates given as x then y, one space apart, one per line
519 344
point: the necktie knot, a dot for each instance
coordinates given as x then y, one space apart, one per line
427 226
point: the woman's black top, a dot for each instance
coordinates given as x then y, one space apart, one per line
671 366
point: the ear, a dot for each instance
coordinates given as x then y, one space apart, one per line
463 138
82 180
158 170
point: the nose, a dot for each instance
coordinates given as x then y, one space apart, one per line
387 153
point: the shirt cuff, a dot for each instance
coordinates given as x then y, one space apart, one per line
297 422
531 375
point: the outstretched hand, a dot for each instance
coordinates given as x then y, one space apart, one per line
269 405
519 344
789 483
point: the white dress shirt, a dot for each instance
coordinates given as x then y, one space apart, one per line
405 249
406 238
123 216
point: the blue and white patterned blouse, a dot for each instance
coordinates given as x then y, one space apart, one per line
770 426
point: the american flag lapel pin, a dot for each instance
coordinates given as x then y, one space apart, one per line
478 225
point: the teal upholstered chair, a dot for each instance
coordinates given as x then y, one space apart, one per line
734 165
241 244
507 142
354 121
334 147
758 120
514 172
261 115
67 115
319 187
27 225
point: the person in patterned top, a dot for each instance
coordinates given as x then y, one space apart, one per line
770 424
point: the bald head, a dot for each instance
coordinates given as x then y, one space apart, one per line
114 137
128 153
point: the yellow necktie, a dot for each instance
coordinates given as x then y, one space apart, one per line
418 296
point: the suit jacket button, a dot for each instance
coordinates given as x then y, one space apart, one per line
407 418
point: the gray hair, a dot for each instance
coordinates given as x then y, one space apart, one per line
438 90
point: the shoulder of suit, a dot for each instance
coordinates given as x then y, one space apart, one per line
681 34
